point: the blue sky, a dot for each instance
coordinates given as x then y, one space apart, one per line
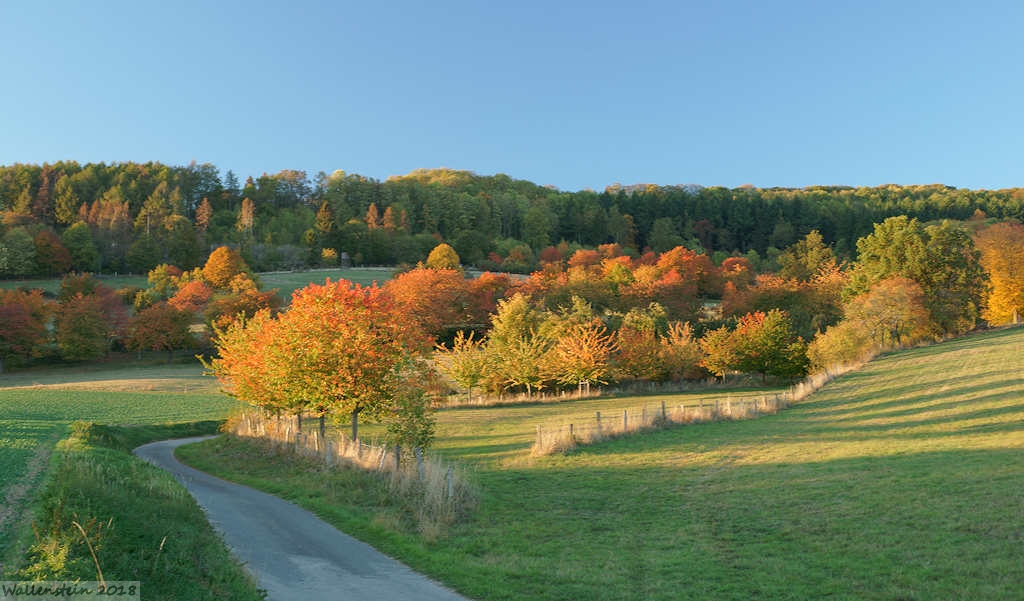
574 94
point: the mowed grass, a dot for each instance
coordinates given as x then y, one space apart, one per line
286 281
902 481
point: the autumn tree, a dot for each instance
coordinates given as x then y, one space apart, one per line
582 356
1002 256
720 353
464 361
892 312
51 255
246 218
223 265
243 305
432 298
340 348
842 344
159 327
192 298
23 319
680 353
443 257
83 331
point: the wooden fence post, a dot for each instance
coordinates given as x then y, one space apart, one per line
329 452
572 433
599 423
419 463
398 456
450 476
664 414
625 420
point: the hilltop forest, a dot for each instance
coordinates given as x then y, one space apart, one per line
131 217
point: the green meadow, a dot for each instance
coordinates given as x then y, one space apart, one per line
286 281
902 480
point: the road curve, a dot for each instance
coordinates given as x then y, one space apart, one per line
293 554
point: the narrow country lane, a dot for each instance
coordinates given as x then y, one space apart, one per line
294 554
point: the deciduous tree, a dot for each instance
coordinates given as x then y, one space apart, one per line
23 319
1002 256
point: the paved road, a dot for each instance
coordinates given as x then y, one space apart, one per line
293 553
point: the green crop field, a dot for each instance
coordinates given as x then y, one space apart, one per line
902 480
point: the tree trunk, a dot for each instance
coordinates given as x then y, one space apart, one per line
298 422
322 427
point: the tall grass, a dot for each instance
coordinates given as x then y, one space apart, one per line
439 493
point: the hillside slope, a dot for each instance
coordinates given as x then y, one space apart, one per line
901 481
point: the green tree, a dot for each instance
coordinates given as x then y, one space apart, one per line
765 343
805 258
664 235
66 201
21 252
942 259
78 240
465 361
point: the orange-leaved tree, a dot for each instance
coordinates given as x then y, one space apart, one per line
582 355
340 348
433 298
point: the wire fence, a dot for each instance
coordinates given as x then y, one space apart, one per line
440 489
563 437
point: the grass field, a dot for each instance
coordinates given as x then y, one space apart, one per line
141 523
902 481
36 408
286 281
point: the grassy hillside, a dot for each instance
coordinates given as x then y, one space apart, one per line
900 481
34 418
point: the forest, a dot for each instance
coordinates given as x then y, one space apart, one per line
130 217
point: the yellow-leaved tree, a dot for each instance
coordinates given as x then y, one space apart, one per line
1002 256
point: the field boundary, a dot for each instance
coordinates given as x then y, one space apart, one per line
561 438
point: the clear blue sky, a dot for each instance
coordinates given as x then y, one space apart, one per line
574 94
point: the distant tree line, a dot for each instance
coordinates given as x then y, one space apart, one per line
131 217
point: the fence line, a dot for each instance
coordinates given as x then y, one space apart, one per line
440 490
564 437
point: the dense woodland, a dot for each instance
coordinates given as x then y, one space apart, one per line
130 217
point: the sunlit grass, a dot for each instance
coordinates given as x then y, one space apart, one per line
901 481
